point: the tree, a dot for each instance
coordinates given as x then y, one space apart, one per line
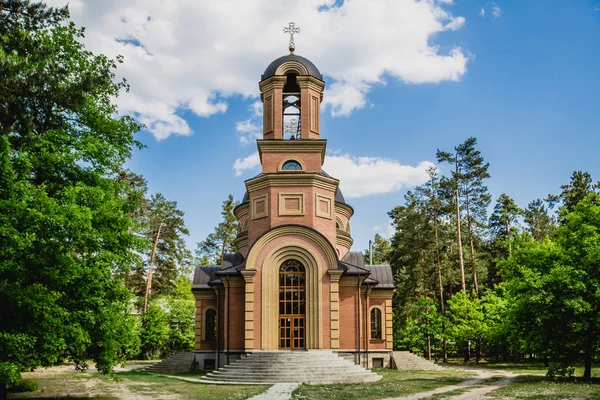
467 179
423 331
576 190
165 227
540 224
555 287
467 321
505 216
454 183
381 250
221 240
435 209
64 227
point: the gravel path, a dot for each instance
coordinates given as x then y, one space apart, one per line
477 393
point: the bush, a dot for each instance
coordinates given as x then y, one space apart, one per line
560 371
24 385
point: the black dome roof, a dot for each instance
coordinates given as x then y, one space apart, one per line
272 68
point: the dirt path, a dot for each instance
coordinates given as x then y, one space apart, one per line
476 393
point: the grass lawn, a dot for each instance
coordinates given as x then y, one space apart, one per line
68 384
540 388
394 383
529 368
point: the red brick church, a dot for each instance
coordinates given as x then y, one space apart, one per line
293 284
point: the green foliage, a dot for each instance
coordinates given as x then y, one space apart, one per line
222 239
381 251
560 371
540 224
466 318
155 332
65 227
423 329
24 385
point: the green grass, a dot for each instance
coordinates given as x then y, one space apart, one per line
70 384
393 384
541 388
530 368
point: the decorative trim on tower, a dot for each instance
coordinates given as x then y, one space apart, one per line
260 207
323 202
291 203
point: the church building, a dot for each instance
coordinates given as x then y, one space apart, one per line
294 284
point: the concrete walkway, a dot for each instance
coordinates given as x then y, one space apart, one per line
279 391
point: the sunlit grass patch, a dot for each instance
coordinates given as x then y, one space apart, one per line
394 383
541 388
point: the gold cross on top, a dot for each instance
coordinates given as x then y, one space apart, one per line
291 29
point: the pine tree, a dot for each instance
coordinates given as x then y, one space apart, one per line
431 194
538 220
165 227
576 190
505 216
222 239
469 193
381 250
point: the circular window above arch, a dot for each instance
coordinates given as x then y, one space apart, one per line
291 165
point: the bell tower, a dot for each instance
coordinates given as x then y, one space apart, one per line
292 188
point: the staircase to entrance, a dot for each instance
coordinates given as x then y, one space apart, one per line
311 366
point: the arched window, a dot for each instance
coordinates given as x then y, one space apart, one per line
210 325
339 224
292 166
376 323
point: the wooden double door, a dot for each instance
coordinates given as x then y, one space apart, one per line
292 306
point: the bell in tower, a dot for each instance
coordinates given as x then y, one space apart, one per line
291 90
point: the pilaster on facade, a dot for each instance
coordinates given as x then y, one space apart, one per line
249 308
334 307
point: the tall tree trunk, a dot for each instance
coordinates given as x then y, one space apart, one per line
472 243
222 249
149 281
3 391
588 352
440 284
459 239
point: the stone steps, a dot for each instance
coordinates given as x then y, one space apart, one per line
180 362
405 360
313 367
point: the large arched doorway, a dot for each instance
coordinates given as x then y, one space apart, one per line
292 305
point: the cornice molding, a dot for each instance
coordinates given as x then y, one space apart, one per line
344 209
292 146
284 179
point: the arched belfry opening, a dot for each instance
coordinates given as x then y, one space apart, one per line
291 90
291 106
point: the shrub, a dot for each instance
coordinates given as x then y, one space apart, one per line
24 385
560 371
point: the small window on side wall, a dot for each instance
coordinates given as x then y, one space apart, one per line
291 166
211 324
376 324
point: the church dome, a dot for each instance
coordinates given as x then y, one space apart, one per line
311 69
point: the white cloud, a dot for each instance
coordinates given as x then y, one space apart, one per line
360 176
365 176
496 11
191 56
242 164
482 12
248 131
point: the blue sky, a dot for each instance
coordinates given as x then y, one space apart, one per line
521 76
